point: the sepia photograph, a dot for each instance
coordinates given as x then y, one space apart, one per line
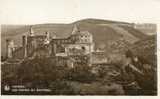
79 47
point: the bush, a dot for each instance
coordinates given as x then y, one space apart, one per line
40 72
61 87
81 74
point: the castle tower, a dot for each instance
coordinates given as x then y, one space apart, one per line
24 43
75 29
31 32
10 48
47 39
47 35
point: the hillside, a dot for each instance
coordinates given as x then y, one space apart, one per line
116 77
100 21
104 31
146 49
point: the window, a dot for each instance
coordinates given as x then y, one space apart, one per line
86 40
83 48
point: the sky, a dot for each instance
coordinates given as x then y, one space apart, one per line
67 11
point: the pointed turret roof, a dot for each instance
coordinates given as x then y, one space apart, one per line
75 29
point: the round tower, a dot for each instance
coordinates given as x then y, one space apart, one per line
31 32
10 48
24 43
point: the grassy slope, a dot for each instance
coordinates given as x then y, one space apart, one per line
101 34
146 48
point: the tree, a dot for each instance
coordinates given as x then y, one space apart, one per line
40 72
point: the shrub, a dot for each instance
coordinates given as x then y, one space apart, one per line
61 87
40 72
81 74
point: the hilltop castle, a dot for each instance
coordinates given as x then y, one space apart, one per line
78 47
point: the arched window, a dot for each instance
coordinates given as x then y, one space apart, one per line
83 48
